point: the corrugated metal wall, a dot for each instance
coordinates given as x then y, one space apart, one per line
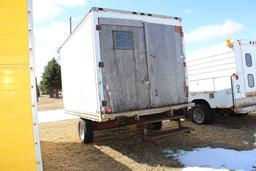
17 150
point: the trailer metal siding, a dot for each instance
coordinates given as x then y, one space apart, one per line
20 148
79 67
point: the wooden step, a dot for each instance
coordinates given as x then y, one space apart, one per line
156 135
159 118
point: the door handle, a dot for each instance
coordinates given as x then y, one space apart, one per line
152 55
145 81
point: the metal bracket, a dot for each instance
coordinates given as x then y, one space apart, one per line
178 29
98 27
101 64
104 103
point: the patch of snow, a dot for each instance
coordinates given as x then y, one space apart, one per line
245 142
54 115
215 159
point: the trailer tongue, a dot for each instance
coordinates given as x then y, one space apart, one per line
154 135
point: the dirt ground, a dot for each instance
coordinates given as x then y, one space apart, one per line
123 148
47 103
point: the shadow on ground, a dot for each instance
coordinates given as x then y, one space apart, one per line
76 156
123 148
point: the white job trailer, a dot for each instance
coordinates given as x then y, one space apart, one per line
121 68
222 77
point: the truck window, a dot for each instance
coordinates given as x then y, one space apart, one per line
122 40
248 59
250 80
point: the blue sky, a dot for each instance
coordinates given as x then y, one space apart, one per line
205 22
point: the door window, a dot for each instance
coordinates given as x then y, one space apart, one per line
250 80
248 59
122 40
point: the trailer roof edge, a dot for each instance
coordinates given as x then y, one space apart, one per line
98 9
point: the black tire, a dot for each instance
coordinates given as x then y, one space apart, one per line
202 114
238 114
155 126
85 130
243 114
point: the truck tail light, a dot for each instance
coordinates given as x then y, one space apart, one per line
229 43
108 110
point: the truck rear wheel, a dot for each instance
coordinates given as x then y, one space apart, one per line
202 114
85 130
155 126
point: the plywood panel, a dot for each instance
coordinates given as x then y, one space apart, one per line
125 71
165 62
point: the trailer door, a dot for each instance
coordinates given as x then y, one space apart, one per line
165 64
249 65
125 75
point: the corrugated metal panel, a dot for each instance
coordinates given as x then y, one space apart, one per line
17 149
209 69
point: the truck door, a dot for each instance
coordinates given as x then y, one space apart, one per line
249 65
125 73
165 64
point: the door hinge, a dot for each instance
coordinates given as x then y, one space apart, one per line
104 103
178 29
101 64
98 27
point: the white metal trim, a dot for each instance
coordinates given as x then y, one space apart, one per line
145 112
240 63
33 87
97 54
98 9
85 115
95 35
129 15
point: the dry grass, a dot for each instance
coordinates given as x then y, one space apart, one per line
47 103
123 148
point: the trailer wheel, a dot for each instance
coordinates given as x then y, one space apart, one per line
85 130
202 114
155 126
238 114
243 114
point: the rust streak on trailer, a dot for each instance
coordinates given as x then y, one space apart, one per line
147 111
251 94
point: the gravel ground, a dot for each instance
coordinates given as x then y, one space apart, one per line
123 148
46 103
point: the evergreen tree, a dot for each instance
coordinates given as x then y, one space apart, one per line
51 79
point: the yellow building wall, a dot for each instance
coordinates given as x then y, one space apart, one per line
17 148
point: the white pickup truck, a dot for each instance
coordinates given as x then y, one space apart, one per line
222 77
